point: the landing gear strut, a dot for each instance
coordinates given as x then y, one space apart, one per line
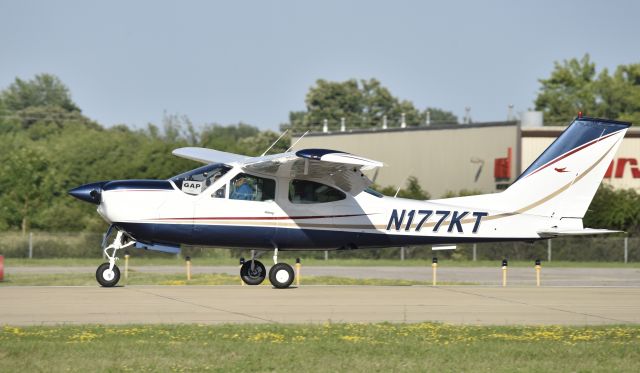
108 274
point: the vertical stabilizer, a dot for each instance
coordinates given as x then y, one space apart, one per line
563 180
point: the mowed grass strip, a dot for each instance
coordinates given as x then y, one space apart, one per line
139 278
320 348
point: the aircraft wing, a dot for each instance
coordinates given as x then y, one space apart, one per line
208 156
340 168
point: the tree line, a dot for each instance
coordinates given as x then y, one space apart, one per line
49 146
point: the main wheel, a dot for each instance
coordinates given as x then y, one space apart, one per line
253 276
106 277
281 275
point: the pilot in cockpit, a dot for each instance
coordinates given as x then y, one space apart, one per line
242 189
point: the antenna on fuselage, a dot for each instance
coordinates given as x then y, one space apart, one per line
399 187
275 142
397 191
300 138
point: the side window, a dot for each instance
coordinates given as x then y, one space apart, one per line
252 188
304 191
220 193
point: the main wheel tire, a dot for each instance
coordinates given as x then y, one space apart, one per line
281 275
255 276
107 278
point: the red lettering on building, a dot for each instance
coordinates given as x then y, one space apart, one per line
609 172
620 167
502 166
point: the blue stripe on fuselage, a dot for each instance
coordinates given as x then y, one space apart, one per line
285 238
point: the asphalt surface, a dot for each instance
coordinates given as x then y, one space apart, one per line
521 276
42 305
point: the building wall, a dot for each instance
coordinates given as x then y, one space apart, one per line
625 172
440 157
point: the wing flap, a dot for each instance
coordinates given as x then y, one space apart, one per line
334 156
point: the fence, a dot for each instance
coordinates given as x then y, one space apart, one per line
599 248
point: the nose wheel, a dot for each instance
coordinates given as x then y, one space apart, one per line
107 277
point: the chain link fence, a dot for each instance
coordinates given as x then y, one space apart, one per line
596 248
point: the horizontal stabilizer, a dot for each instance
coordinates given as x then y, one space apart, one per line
443 247
549 233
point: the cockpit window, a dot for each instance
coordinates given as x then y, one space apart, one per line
305 191
195 181
252 188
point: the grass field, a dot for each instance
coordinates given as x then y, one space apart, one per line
172 260
137 278
320 348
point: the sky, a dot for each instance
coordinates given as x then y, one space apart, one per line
129 62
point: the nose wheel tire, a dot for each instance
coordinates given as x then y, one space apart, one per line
253 276
281 275
107 278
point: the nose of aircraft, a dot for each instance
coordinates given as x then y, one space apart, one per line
89 192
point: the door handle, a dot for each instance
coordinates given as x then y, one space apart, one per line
269 212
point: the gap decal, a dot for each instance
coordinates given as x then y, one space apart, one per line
404 220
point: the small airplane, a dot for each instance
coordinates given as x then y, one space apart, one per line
319 199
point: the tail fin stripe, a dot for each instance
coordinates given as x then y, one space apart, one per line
575 150
548 197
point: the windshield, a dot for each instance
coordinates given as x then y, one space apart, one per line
195 181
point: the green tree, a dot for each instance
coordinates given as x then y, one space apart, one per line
619 94
45 90
569 89
614 209
573 87
26 176
439 116
333 101
258 144
363 104
226 138
413 190
462 193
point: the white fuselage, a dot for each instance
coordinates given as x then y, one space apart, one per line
171 216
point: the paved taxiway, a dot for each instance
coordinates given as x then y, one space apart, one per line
521 276
35 305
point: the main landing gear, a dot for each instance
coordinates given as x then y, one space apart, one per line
108 274
253 272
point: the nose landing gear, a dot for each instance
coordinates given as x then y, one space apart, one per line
108 274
